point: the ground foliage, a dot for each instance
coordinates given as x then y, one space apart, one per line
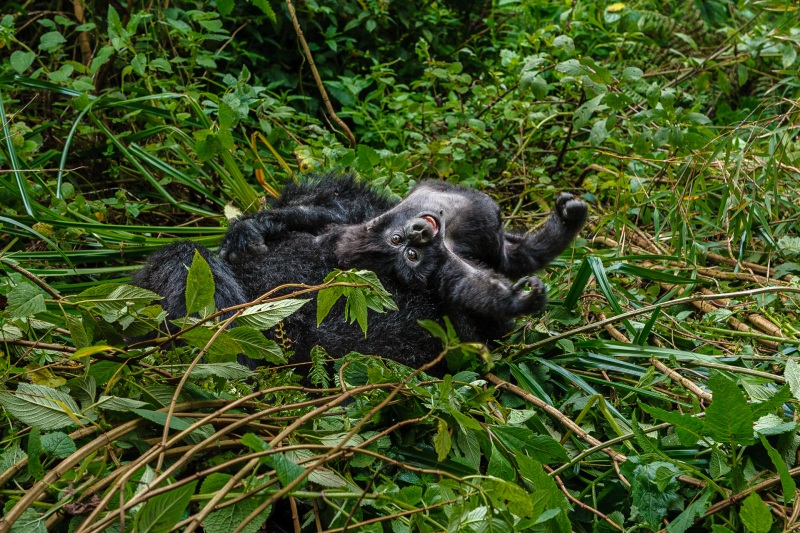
658 390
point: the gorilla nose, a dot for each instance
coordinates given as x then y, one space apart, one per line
419 231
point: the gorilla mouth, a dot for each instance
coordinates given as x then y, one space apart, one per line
432 222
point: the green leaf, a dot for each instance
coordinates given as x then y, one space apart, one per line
35 468
266 315
265 8
199 285
114 403
40 406
225 7
508 495
222 350
584 112
286 470
499 466
686 519
632 73
57 444
772 404
543 448
688 428
25 300
21 61
728 419
30 522
51 40
791 373
755 514
650 496
787 482
228 117
255 346
161 513
230 518
442 441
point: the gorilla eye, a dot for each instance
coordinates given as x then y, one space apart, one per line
397 238
412 254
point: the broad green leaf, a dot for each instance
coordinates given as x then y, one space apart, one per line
114 403
255 346
508 495
30 522
199 285
686 519
266 8
585 111
57 444
161 513
791 373
728 419
230 518
650 495
755 514
25 300
267 315
286 470
51 40
499 466
442 441
41 406
632 73
772 404
688 428
518 439
228 371
20 61
787 482
223 350
34 454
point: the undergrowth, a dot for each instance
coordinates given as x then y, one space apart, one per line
658 391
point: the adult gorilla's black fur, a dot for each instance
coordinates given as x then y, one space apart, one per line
440 252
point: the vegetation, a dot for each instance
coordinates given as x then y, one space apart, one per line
659 390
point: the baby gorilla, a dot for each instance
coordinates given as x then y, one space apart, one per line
440 252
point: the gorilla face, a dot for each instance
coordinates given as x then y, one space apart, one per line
408 247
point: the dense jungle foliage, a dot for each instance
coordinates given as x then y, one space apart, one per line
657 392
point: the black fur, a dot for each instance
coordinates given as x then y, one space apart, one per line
440 252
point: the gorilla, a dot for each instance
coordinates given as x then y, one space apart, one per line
441 251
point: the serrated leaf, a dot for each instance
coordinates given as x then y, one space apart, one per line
30 522
651 500
286 470
543 448
791 373
228 371
222 350
755 514
728 419
267 315
84 389
41 406
508 495
161 513
114 403
499 466
230 518
686 519
688 428
57 444
25 300
199 285
255 346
